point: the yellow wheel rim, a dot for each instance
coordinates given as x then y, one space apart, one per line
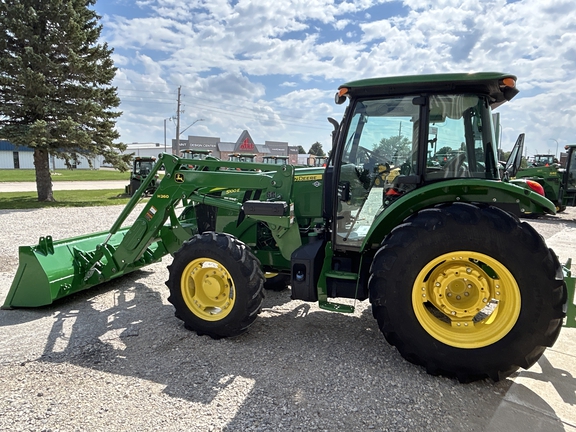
466 299
208 289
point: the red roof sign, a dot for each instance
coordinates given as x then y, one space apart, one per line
246 145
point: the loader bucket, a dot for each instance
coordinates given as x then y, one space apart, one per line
52 270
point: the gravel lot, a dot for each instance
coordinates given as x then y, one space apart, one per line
115 358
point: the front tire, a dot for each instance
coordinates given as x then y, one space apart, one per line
216 285
467 292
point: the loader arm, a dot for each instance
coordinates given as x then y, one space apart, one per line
55 269
195 186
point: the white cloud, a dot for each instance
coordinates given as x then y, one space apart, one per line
222 50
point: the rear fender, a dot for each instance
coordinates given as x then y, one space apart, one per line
493 192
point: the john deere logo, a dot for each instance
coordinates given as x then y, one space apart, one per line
179 178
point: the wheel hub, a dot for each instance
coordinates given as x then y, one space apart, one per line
207 289
466 299
460 291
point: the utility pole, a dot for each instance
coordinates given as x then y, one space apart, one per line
176 146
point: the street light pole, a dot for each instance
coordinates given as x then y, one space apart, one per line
165 144
555 154
193 123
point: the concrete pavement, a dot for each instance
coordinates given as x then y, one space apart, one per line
542 398
64 185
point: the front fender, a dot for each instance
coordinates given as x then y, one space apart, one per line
507 196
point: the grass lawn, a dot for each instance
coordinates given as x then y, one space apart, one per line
65 198
29 175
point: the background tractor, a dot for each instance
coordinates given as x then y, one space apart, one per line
543 160
558 184
242 157
275 160
197 154
457 283
142 168
569 179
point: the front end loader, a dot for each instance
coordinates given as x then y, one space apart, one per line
457 283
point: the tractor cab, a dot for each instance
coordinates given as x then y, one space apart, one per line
141 169
317 161
196 154
242 157
275 160
393 143
544 160
143 166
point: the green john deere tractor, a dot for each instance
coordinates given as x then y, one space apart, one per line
142 168
568 190
196 154
548 177
433 247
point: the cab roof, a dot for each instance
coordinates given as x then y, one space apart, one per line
499 86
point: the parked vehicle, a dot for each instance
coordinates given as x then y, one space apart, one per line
558 184
198 154
275 160
457 283
141 169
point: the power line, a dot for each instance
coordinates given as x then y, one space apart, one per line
225 108
253 115
233 107
146 97
142 91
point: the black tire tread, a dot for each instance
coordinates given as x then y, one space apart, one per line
508 232
252 283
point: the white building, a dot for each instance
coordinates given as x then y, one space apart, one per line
12 157
22 157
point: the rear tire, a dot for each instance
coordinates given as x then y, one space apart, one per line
216 285
467 292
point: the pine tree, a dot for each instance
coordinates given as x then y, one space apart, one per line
55 85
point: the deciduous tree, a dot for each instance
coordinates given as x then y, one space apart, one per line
316 149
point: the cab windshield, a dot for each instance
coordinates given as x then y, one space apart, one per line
398 143
143 167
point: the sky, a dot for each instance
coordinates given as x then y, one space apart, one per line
272 67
